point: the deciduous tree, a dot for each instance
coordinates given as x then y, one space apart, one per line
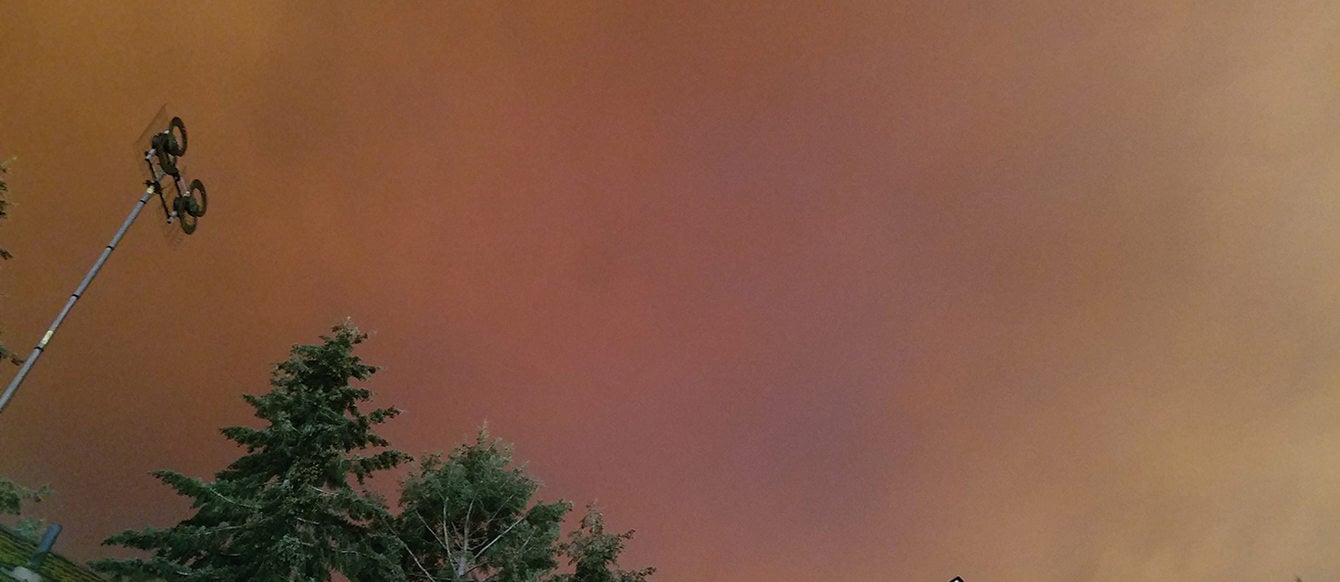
12 498
594 553
470 517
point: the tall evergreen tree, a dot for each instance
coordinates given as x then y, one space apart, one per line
286 510
469 518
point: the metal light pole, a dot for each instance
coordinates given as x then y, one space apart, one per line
41 345
186 206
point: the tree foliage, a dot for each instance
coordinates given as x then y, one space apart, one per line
12 495
5 255
4 201
594 553
470 518
12 498
287 509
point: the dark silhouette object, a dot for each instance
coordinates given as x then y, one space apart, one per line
187 207
189 203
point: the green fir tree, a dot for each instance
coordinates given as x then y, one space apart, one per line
286 510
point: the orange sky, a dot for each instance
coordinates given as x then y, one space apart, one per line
1006 290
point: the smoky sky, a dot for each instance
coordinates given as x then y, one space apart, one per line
864 290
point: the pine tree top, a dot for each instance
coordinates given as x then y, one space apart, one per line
286 509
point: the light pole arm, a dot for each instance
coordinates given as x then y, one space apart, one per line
41 345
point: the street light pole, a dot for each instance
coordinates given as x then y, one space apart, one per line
188 206
41 345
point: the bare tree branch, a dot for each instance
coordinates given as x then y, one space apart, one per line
425 571
499 536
